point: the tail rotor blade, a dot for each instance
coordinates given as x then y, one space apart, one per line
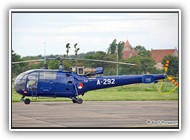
172 80
166 66
169 77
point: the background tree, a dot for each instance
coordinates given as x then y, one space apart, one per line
145 63
109 69
112 47
142 51
32 65
68 47
53 64
120 48
173 68
76 50
16 68
140 48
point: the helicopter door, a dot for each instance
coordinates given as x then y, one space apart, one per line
69 85
32 82
46 83
64 86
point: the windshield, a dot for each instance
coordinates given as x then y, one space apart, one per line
20 81
20 76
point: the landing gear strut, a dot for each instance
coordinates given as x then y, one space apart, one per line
77 100
26 101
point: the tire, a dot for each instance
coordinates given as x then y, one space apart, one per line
79 101
74 100
27 101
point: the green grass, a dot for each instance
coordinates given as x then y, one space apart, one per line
136 92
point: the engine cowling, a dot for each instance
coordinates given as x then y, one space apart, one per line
87 71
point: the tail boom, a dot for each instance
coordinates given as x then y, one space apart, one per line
113 81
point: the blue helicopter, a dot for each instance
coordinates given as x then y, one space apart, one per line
71 84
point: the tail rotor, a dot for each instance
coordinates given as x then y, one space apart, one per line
171 79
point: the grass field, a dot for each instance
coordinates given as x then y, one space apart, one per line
123 93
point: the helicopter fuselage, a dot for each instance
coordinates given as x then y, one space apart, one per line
55 83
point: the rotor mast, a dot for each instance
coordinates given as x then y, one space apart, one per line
61 65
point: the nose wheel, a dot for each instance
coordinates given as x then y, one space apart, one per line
26 101
77 100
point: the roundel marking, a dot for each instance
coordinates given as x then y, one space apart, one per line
80 85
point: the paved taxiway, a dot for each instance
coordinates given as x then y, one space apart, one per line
95 114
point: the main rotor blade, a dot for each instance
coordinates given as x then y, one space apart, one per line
37 60
105 61
27 61
82 59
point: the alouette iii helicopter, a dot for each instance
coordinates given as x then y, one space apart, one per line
71 84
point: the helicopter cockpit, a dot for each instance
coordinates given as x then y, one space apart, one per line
32 81
30 78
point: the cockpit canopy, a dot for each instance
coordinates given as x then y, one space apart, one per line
20 81
29 79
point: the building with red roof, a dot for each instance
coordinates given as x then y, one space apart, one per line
128 51
158 55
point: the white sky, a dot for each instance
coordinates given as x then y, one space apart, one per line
92 31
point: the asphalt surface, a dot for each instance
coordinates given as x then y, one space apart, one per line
100 114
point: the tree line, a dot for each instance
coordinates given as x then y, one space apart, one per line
145 63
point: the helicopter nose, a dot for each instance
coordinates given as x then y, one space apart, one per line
19 84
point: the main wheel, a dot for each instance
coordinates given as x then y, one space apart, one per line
27 101
79 101
74 100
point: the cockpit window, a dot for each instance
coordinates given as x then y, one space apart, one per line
47 75
20 81
22 76
33 76
32 81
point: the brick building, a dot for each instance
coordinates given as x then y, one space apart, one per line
128 51
158 55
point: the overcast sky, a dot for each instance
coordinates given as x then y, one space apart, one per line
92 31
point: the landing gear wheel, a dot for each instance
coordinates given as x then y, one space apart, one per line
74 100
79 101
27 101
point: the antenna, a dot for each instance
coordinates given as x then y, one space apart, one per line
44 52
117 57
45 64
